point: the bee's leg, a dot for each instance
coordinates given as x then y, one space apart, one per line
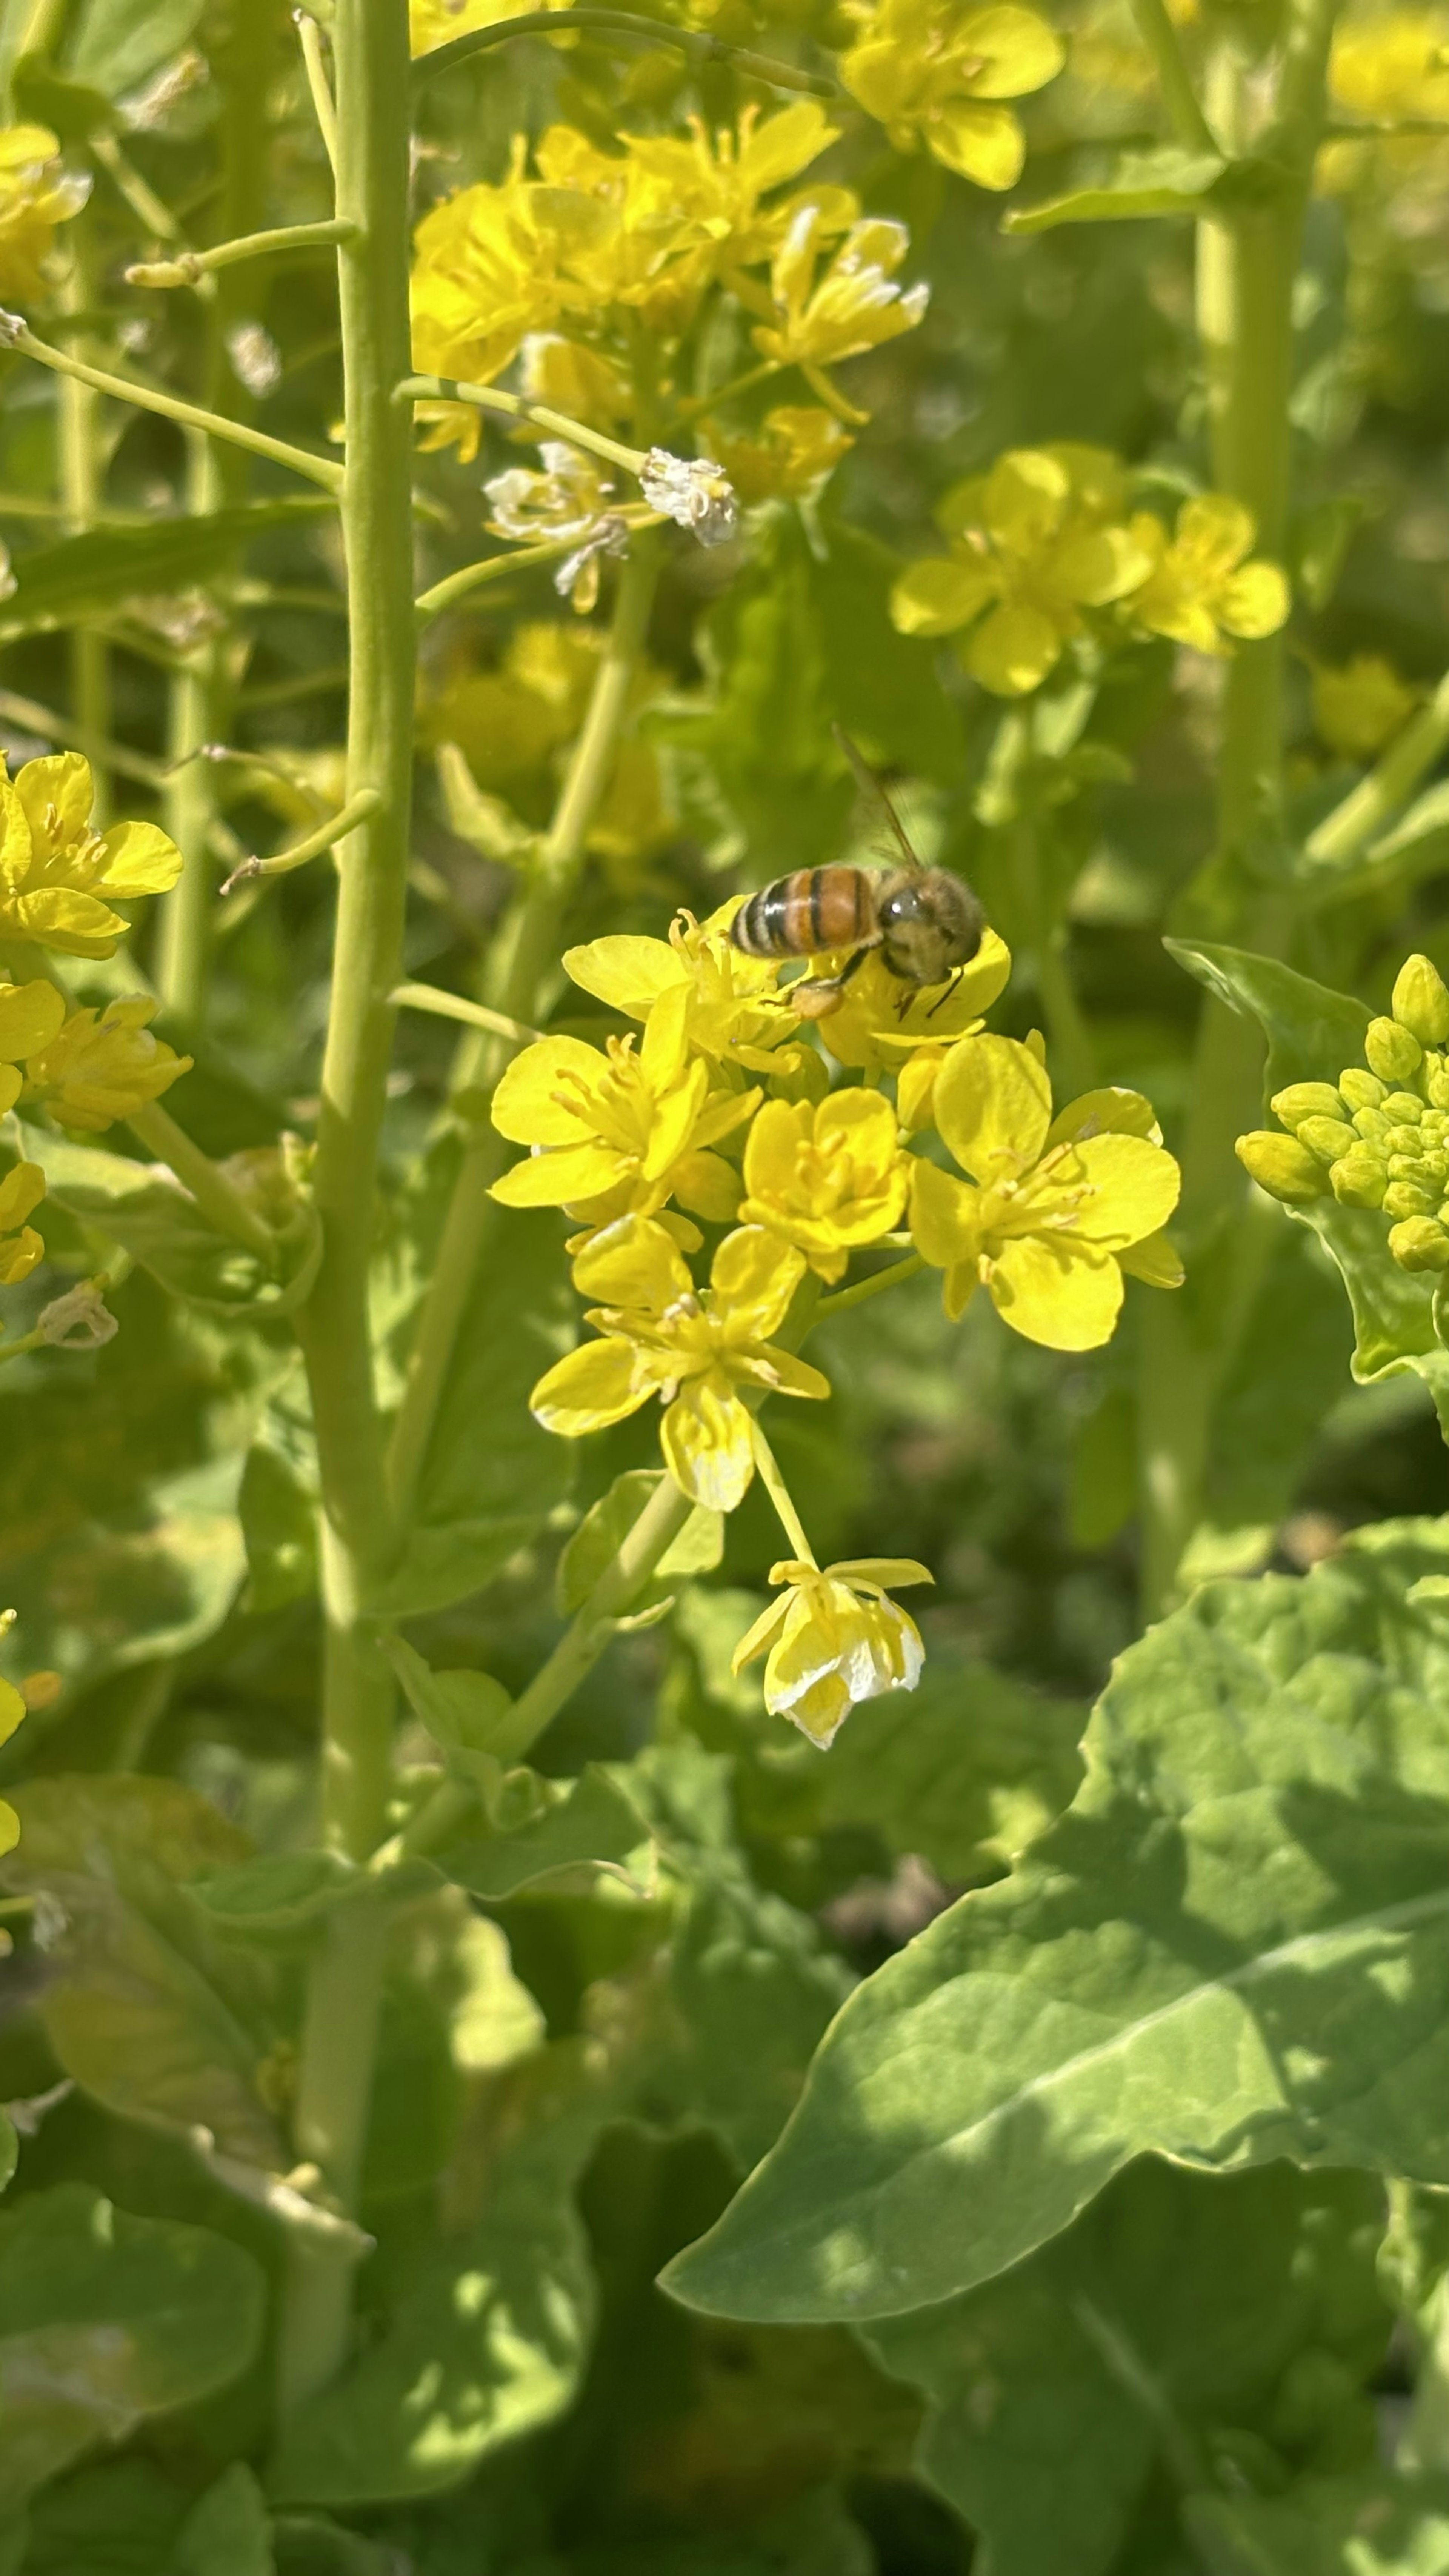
951 983
816 996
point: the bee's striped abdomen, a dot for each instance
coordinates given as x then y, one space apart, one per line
810 910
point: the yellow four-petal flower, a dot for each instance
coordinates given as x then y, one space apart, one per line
834 1639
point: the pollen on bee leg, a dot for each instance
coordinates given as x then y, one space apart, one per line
816 998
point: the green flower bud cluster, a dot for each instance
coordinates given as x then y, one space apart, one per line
1379 1137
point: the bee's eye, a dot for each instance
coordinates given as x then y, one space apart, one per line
902 906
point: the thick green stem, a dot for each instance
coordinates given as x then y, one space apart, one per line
527 952
82 479
1348 831
1180 99
370 51
185 944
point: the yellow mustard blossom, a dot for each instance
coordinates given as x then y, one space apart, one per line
834 1639
21 1192
826 1176
436 22
731 1013
35 196
881 1022
1054 1210
790 457
1033 545
12 1710
1360 706
1392 64
854 305
695 1351
55 869
717 181
1379 1136
934 72
573 378
1202 588
30 1016
104 1066
620 1130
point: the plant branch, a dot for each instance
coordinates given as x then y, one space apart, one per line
213 1192
519 407
1342 835
189 267
456 1006
457 585
698 45
1179 97
358 809
15 334
314 63
856 1295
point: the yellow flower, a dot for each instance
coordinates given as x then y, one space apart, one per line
620 1131
835 1639
798 446
436 22
696 1352
30 1016
716 181
1360 707
1054 1211
99 1069
827 1176
1201 587
1031 548
730 1011
35 196
854 306
934 72
21 1192
881 1022
54 868
1392 65
575 379
12 1709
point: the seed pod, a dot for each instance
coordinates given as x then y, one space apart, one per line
1393 1053
1305 1100
1406 1198
1326 1137
1359 1178
1420 1001
1282 1167
1420 1243
1360 1089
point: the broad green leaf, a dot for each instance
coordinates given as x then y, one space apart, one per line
144 2005
117 2518
106 2319
228 2533
817 2536
1180 2308
312 2544
94 575
1381 2523
279 1896
145 1209
1166 181
452 2012
485 2345
464 1712
1288 1368
584 1826
602 1531
1312 1035
72 111
279 1526
1234 1946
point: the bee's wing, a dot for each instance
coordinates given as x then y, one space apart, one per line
873 789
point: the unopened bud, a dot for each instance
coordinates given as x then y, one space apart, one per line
1392 1052
185 270
1373 1124
1306 1100
1404 1107
1420 1243
1359 1178
1282 1167
1420 1001
1360 1089
1408 1199
1326 1137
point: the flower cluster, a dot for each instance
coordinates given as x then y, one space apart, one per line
1048 537
719 1110
936 73
56 870
437 22
1379 1136
1361 705
85 1068
36 194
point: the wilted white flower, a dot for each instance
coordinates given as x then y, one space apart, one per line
256 359
149 107
566 500
692 490
78 1321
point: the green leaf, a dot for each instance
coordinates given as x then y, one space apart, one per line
118 2518
588 1826
1233 1947
1313 1034
1178 2309
1287 1371
106 2319
279 1896
881 685
1383 2523
279 1526
116 44
69 108
463 1711
144 1208
228 2533
144 2005
312 2544
602 1532
94 575
815 2536
1166 181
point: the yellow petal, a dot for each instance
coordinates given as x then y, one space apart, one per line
543 1094
11 1080
61 780
753 1278
993 1105
21 1191
982 143
944 1215
780 1133
890 1572
707 1443
629 974
1013 651
30 1017
762 1635
16 853
80 925
139 859
595 1385
19 1254
1216 531
1255 601
9 1826
12 1706
1020 51
1110 1111
1056 1290
938 595
561 1178
1155 1260
708 1186
634 1264
1133 1188
780 1371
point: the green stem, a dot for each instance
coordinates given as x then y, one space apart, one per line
314 63
700 46
209 1186
234 433
856 1295
456 1006
82 478
370 51
780 1495
1340 838
527 952
1178 95
185 930
32 717
558 424
189 267
457 585
358 809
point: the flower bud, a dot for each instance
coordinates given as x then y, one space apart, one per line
1282 1167
1420 1001
1360 1089
1406 1198
1359 1178
1372 1124
1306 1100
1326 1137
1393 1053
1438 1084
1420 1243
1404 1107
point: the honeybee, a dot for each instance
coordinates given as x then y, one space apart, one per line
926 923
